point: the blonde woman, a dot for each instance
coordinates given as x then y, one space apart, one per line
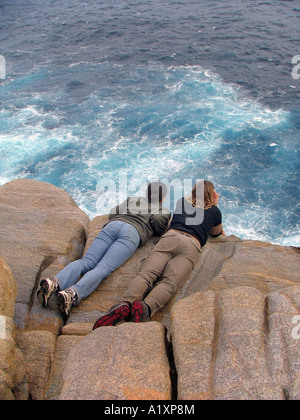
171 260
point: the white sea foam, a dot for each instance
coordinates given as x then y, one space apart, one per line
4 180
288 240
173 134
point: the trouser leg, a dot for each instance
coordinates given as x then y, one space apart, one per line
125 244
69 275
176 272
164 271
150 270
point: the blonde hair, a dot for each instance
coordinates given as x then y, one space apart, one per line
207 202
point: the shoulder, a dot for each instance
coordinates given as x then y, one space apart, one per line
181 204
216 214
139 202
216 210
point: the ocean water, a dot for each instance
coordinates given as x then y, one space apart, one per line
100 91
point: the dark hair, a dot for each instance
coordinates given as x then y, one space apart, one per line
156 191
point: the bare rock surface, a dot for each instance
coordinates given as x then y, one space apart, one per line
12 364
41 230
124 362
237 344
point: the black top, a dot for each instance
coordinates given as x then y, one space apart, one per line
194 220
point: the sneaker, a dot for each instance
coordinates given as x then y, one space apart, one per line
117 313
66 299
47 288
140 312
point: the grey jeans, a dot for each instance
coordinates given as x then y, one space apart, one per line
164 270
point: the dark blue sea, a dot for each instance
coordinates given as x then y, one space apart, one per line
169 89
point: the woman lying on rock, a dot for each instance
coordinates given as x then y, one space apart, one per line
172 260
130 225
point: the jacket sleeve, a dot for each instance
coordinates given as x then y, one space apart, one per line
160 222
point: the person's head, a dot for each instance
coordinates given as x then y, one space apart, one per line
211 197
156 192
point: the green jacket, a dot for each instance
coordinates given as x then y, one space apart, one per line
148 218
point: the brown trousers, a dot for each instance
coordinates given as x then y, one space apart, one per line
164 270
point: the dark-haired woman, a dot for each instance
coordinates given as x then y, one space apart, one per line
130 225
172 259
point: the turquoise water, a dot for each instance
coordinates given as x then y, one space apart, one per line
177 91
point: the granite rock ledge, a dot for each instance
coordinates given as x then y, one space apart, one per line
231 332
